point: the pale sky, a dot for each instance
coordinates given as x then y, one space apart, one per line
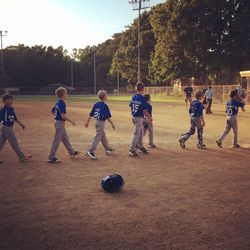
71 23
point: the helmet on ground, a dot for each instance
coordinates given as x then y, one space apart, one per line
112 183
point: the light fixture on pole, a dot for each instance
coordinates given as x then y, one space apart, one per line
95 90
139 5
2 33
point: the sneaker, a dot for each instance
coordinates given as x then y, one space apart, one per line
182 143
236 146
203 146
144 150
133 153
54 160
152 146
91 155
1 162
219 144
76 153
110 151
25 158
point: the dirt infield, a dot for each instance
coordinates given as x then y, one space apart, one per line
173 198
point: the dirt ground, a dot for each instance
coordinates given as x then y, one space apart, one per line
173 198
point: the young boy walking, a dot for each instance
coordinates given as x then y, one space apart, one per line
60 114
147 123
8 118
197 121
138 111
101 113
232 111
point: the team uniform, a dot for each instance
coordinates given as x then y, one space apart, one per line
232 109
61 134
195 111
188 92
8 118
148 125
138 104
101 113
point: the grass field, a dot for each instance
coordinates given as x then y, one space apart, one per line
173 198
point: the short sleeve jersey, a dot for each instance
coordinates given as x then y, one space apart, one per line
59 109
137 105
100 111
7 116
196 109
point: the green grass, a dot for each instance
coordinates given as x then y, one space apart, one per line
122 98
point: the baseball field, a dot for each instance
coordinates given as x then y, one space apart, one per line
172 199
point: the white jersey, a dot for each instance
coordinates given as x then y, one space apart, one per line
209 94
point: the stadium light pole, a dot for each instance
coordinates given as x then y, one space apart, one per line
118 82
95 70
72 72
2 33
139 5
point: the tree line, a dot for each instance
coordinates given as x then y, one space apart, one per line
208 40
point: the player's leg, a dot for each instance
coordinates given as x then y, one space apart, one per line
200 144
225 133
235 130
59 126
9 133
137 121
99 132
151 135
68 146
3 139
187 135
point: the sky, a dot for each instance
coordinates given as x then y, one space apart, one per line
70 23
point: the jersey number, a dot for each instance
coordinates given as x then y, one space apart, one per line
135 107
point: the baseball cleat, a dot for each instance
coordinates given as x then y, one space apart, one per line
25 158
182 143
236 146
203 146
219 144
91 155
133 153
76 153
152 146
54 160
110 151
144 150
1 162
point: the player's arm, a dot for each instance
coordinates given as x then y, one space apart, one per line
65 118
87 122
111 123
203 123
20 124
145 112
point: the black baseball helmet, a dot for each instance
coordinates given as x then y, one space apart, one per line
112 183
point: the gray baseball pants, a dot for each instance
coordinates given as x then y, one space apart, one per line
100 137
148 126
138 133
60 136
8 134
232 123
195 123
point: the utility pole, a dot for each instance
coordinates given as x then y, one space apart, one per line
2 33
72 72
95 90
139 5
118 82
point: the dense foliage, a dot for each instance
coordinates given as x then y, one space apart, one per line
205 39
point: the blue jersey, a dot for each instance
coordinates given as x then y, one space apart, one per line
196 109
100 111
149 108
7 116
138 104
233 107
59 109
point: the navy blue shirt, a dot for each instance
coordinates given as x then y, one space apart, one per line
59 109
149 108
188 91
196 109
7 116
233 107
138 104
100 111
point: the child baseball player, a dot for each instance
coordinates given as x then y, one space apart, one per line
232 110
148 124
101 113
8 118
197 121
59 111
138 111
